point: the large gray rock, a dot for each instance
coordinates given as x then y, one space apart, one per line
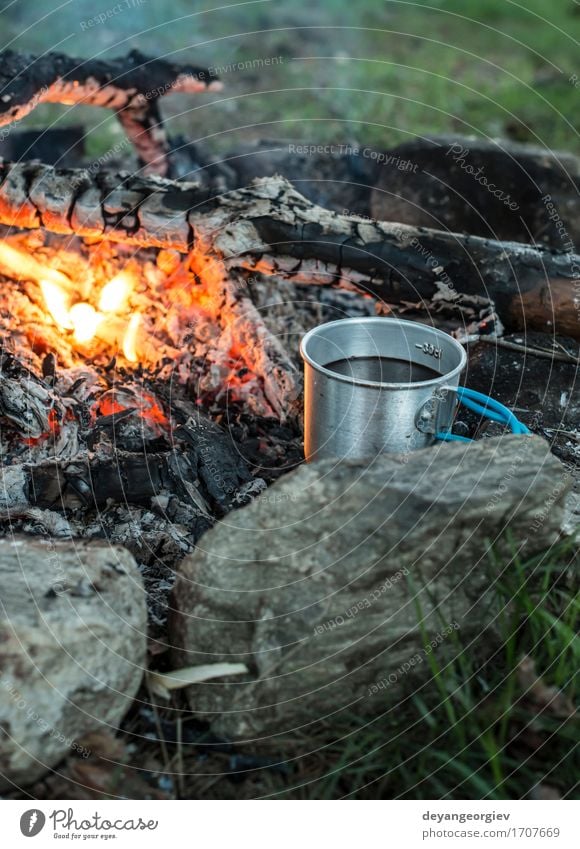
72 649
496 189
330 586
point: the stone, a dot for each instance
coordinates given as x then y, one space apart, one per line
497 189
72 649
336 584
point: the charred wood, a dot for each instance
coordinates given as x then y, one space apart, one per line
202 476
131 86
271 228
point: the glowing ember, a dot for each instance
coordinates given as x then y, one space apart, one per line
130 340
152 411
57 303
115 294
53 429
142 404
108 405
85 320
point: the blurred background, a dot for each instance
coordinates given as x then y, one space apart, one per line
374 71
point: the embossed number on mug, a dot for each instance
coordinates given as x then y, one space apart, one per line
429 348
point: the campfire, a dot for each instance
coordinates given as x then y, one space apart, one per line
97 319
147 386
151 312
127 397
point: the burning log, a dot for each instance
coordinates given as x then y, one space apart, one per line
31 408
271 228
131 86
260 350
89 481
119 446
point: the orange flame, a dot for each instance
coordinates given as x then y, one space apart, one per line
16 261
85 321
115 294
130 340
57 303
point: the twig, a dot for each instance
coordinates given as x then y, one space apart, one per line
563 357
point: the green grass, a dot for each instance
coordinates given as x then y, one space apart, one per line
478 727
377 72
473 731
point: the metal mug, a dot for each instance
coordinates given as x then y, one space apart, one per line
374 385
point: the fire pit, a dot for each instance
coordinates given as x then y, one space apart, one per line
116 370
143 392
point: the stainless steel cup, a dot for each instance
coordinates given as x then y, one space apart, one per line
376 385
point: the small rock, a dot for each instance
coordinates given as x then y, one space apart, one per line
72 649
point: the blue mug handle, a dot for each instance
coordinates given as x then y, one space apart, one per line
487 407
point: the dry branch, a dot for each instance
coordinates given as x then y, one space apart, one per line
131 86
